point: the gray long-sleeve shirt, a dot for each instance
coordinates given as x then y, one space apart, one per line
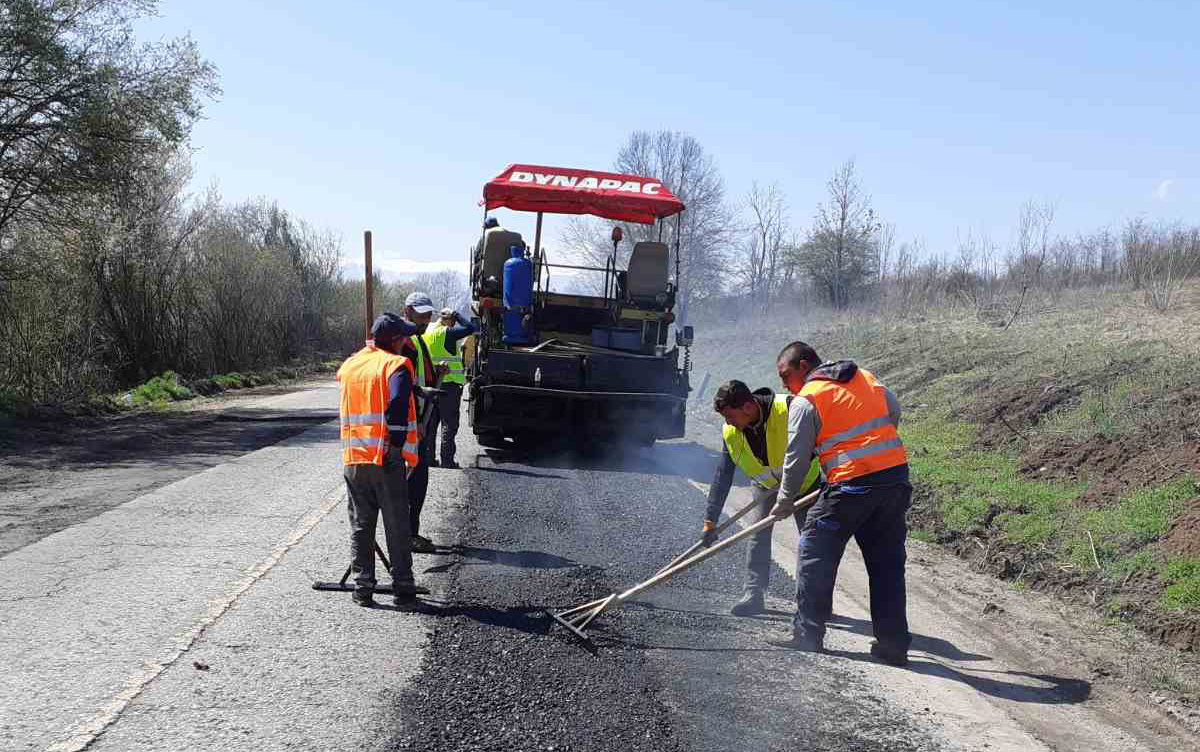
804 423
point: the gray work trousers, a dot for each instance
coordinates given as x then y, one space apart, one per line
758 556
373 489
447 414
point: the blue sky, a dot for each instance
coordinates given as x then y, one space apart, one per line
391 116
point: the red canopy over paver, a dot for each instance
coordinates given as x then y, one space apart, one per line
561 190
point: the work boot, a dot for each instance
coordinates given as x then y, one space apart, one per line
450 465
800 642
409 604
422 545
364 597
890 655
409 588
751 603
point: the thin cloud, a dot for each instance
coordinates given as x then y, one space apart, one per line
1163 192
410 266
399 267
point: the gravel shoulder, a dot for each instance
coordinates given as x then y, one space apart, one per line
1000 663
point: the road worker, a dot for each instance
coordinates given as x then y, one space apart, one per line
379 448
418 311
755 436
443 338
844 414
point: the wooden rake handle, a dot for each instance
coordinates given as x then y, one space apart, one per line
595 608
719 529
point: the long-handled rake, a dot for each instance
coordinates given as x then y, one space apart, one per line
578 618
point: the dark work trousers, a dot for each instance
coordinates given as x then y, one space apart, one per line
418 486
758 556
448 406
374 489
874 517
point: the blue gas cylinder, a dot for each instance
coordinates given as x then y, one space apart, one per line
518 298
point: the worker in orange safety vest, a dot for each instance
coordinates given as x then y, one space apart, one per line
847 418
379 450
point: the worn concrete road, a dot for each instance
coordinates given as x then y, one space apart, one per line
183 618
54 474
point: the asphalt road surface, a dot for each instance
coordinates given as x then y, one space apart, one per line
182 618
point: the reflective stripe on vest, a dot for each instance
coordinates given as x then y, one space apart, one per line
362 420
857 437
363 381
842 458
422 350
743 456
435 338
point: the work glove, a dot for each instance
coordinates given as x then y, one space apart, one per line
710 533
782 508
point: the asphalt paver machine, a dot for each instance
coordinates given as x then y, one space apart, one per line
550 366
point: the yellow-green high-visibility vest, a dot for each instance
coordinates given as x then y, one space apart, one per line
743 456
435 338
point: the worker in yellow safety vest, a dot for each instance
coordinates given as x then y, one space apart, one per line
443 337
379 449
849 419
755 437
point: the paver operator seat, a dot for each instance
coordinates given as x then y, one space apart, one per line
495 252
649 269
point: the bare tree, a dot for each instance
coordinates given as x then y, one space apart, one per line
841 252
133 246
447 288
1137 247
765 245
1168 257
1028 259
885 243
689 172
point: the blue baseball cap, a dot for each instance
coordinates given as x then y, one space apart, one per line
419 302
389 327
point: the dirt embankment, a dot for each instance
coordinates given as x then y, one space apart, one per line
1149 439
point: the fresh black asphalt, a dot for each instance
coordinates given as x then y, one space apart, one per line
672 671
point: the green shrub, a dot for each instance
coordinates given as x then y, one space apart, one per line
233 380
160 390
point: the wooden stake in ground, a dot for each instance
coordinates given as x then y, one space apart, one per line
368 282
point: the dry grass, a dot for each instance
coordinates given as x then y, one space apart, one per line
981 402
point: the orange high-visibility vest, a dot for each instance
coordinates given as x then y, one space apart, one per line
364 392
856 438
